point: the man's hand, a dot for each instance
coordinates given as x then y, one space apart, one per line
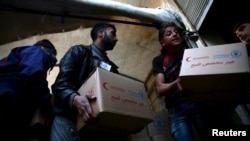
83 106
178 80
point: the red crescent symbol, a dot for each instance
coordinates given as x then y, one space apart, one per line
105 85
188 59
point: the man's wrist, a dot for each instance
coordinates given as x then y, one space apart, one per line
71 99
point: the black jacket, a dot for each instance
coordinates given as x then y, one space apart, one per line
75 67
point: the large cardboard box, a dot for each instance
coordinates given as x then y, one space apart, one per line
142 134
160 125
215 72
121 103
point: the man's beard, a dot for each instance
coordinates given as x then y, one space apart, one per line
106 41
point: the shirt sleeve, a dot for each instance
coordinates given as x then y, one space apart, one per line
33 69
33 60
157 64
65 86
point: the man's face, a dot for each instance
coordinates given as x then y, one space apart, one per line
109 39
171 37
243 33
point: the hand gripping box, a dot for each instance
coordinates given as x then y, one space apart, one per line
215 72
121 103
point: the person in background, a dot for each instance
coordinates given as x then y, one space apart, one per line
241 30
24 88
222 114
75 67
166 67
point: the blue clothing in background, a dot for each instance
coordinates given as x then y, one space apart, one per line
23 88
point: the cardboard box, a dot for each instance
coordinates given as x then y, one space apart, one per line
141 139
160 125
162 137
121 103
142 134
215 72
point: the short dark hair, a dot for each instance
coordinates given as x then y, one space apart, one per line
100 26
241 21
163 27
47 44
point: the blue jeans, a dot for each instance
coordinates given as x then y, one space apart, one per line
181 118
63 129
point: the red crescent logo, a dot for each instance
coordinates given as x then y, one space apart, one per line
105 85
188 59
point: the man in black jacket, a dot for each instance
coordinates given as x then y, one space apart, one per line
75 67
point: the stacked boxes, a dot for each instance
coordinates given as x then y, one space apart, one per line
158 130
